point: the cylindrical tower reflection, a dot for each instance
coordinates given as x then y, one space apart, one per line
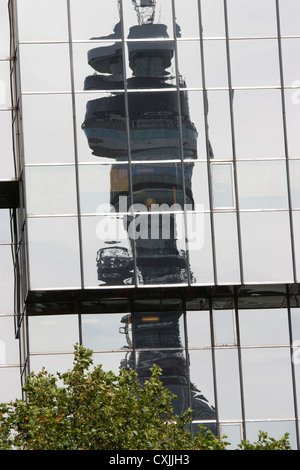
160 130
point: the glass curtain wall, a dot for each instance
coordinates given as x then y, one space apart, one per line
160 146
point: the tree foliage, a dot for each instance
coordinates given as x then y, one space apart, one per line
87 408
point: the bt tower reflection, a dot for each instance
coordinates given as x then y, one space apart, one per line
159 128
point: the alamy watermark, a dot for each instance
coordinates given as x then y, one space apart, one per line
152 222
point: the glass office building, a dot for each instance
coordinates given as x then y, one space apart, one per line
150 199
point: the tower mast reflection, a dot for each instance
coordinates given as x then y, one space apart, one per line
160 130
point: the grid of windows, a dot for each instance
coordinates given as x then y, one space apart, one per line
220 157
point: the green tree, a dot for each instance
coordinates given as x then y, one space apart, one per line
96 410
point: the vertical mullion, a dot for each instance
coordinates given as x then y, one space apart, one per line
75 142
231 92
207 144
285 139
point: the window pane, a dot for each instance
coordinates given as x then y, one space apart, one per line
7 170
48 128
4 31
200 248
9 346
55 187
54 252
228 384
266 247
5 96
107 251
38 26
10 376
191 71
106 331
267 383
255 18
212 12
6 280
262 185
215 63
289 14
224 327
258 124
201 375
227 248
5 233
91 18
187 18
292 104
264 327
219 124
291 68
222 185
38 61
294 166
198 329
254 63
53 333
96 141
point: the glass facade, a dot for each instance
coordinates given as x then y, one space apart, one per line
150 199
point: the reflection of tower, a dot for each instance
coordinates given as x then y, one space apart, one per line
159 130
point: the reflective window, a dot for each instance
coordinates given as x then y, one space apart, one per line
296 229
187 18
106 331
160 183
219 124
227 247
276 429
292 105
9 346
141 15
264 327
191 71
254 62
38 61
267 383
107 250
54 252
91 18
228 384
48 128
289 14
215 64
52 363
112 361
266 246
198 329
10 376
255 18
39 26
6 280
104 188
222 185
51 190
53 333
200 248
101 135
196 185
212 13
5 233
294 169
291 68
262 185
224 325
258 124
4 31
7 170
201 375
5 95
